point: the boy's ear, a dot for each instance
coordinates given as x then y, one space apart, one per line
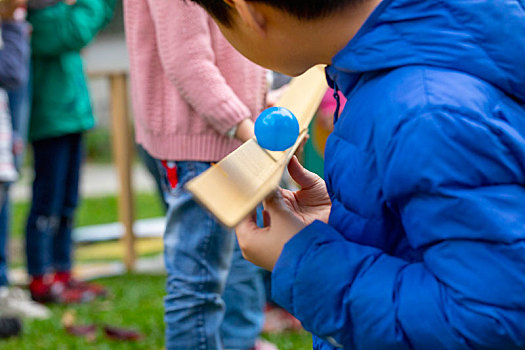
249 14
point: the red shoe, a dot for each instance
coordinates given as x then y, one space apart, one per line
70 282
44 292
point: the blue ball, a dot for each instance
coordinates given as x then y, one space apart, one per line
276 129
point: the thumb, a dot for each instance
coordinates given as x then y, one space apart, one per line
300 175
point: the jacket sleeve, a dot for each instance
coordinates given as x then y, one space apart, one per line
188 59
14 55
461 202
62 28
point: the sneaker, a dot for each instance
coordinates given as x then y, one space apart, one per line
70 282
17 302
261 344
10 327
57 292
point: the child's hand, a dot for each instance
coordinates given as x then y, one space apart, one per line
285 214
311 202
263 246
244 130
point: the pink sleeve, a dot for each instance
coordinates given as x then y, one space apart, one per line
184 45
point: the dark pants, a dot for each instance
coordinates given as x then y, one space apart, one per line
57 164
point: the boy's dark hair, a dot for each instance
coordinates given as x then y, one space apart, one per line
302 9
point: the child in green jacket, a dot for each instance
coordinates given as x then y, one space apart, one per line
61 113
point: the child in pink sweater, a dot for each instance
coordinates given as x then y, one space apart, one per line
195 99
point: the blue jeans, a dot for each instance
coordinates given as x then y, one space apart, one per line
20 104
245 298
215 298
5 210
57 164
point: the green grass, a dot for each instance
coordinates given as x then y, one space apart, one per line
129 306
93 211
135 303
291 341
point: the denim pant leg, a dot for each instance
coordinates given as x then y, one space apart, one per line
62 259
197 252
245 298
51 163
19 105
5 210
154 170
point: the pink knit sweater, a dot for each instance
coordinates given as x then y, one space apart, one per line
189 86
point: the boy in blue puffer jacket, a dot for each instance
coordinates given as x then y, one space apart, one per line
417 239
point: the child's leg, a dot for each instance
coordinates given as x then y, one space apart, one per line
62 241
20 105
197 252
245 298
4 234
51 167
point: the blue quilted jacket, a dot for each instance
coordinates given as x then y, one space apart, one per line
425 245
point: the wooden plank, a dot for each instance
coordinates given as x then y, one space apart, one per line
123 153
232 188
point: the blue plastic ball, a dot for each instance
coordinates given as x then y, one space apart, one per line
276 129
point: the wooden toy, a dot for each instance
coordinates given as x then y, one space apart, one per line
232 188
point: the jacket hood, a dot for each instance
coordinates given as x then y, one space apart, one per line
485 39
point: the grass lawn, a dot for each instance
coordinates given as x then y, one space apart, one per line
136 303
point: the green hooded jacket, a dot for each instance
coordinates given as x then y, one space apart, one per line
61 102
